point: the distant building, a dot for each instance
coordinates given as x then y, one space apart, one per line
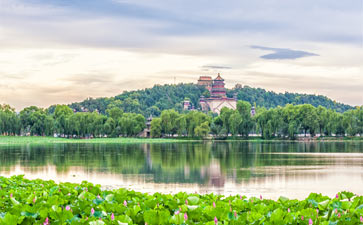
218 98
206 81
186 104
146 131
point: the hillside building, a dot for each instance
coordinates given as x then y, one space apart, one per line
187 105
218 96
147 131
206 81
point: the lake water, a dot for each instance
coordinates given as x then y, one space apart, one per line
252 169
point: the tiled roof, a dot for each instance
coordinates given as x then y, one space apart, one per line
205 78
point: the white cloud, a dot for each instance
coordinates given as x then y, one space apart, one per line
61 53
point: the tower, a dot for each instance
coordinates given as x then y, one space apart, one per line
218 89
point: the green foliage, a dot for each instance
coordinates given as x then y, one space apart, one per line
244 109
308 118
270 99
291 120
169 121
155 130
25 201
282 122
9 121
131 124
152 101
352 121
192 124
202 130
61 113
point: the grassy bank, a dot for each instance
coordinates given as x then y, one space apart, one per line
45 202
17 140
14 140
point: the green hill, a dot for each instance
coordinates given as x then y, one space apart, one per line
160 97
270 99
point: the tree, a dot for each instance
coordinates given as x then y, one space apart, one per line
360 120
235 121
155 129
36 121
351 122
97 125
9 122
61 114
202 130
195 119
225 117
168 121
309 118
131 124
244 109
339 125
115 113
217 127
109 127
290 123
181 124
323 119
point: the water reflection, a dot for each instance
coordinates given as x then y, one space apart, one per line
271 169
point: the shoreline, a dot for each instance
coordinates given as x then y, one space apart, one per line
18 140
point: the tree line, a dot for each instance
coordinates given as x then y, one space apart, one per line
280 122
64 122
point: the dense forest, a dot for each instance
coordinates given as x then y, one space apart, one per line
270 99
282 122
152 101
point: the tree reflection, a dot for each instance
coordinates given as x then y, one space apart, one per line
209 163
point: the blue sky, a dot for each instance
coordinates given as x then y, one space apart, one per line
60 51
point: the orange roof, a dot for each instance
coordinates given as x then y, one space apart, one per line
218 77
205 78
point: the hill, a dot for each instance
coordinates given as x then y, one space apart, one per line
152 101
270 99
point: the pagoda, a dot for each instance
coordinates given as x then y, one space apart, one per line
218 98
218 89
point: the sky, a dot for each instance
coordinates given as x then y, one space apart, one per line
63 51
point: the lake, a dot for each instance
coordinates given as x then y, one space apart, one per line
270 169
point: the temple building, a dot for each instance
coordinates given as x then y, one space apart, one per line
187 105
147 131
206 81
218 97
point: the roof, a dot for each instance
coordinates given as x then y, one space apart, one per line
205 78
218 77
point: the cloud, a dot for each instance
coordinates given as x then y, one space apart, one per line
92 78
155 24
217 67
103 47
283 53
